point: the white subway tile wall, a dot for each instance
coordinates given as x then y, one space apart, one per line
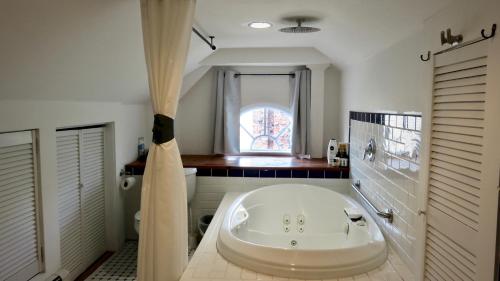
210 190
391 180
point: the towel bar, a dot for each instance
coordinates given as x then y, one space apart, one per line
386 214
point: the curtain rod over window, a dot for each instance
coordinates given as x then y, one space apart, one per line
264 74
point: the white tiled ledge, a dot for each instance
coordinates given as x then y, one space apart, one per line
208 265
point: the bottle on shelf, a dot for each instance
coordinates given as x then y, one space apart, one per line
331 151
343 155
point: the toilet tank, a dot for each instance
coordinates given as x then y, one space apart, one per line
190 174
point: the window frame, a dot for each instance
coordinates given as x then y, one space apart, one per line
254 106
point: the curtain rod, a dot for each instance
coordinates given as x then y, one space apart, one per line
264 74
210 43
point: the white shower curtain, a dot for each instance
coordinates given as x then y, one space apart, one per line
166 27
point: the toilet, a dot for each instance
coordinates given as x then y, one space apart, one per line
190 174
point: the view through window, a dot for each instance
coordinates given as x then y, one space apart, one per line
265 129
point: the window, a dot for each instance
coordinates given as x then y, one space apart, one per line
265 129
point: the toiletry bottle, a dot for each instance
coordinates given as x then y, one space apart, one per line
344 158
141 150
346 145
336 159
331 151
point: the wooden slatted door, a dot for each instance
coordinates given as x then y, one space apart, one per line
20 235
80 171
457 153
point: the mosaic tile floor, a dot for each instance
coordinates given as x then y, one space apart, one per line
121 266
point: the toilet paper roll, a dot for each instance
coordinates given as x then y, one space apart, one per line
127 183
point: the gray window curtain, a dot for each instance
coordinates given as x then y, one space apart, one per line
227 112
300 107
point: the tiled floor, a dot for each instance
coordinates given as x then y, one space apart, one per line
121 266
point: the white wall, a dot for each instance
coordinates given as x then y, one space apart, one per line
196 113
72 50
132 203
266 56
195 116
194 123
270 89
395 80
331 129
47 116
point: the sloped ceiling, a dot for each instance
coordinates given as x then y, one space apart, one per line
72 50
352 30
92 49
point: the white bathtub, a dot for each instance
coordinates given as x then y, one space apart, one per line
319 241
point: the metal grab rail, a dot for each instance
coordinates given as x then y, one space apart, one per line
386 214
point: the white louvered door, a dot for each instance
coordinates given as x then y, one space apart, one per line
69 200
457 191
92 179
80 157
20 237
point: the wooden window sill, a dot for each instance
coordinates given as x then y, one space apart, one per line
254 166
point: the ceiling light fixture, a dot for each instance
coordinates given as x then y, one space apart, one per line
259 24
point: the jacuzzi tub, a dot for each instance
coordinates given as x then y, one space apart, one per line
299 231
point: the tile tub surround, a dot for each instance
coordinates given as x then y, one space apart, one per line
392 179
211 190
207 264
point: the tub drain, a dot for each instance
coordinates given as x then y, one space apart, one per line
293 243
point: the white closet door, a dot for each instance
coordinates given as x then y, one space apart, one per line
69 201
456 188
19 236
80 166
92 178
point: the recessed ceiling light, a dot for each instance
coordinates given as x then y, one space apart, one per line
259 24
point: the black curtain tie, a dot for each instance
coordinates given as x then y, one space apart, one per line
163 129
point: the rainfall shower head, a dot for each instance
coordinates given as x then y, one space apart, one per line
299 28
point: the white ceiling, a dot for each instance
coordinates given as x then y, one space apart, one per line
352 30
92 49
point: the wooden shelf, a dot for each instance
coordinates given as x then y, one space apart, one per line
278 163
